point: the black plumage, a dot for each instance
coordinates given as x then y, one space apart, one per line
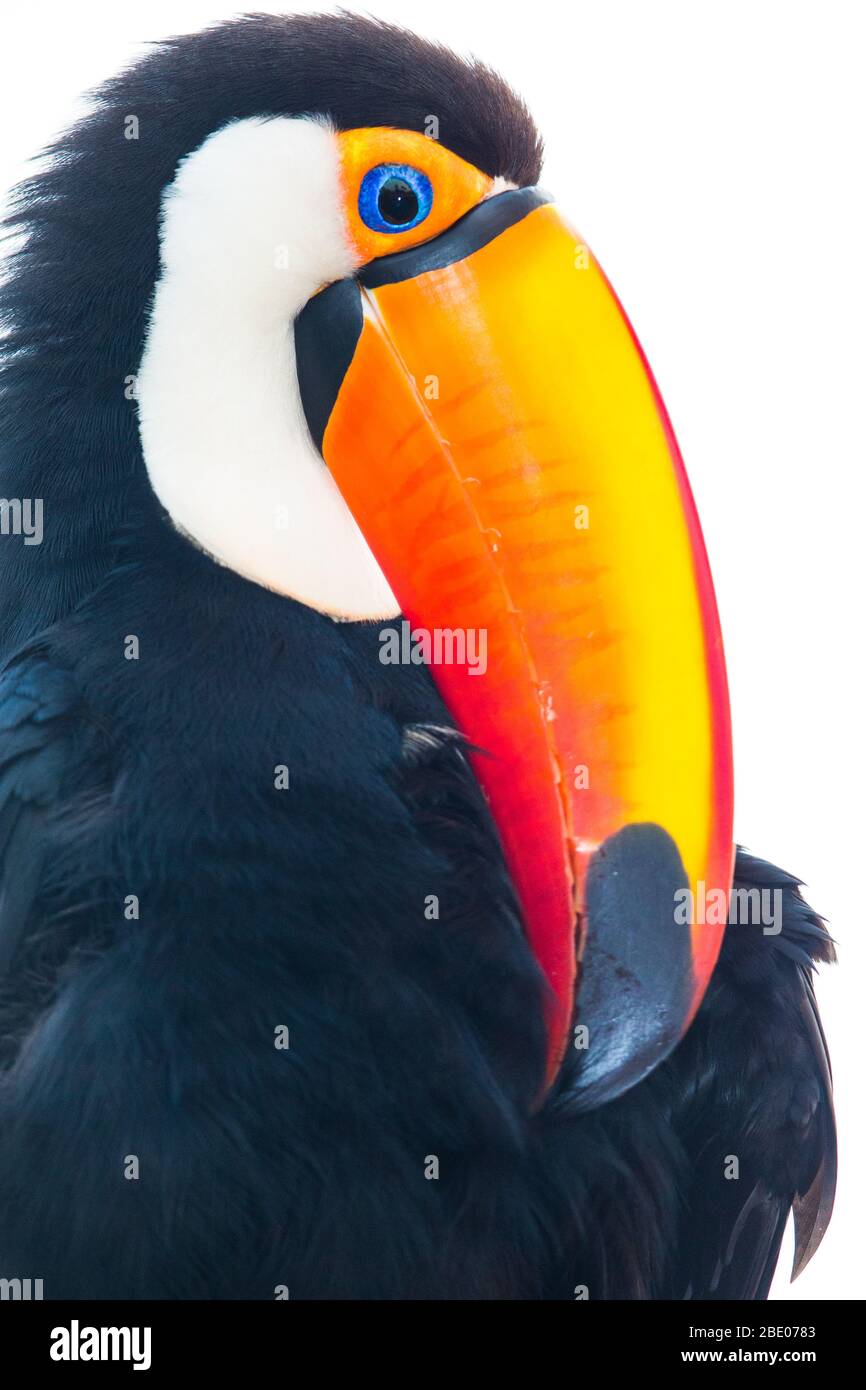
260 907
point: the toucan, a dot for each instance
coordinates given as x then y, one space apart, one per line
370 926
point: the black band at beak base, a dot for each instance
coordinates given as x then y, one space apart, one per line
326 334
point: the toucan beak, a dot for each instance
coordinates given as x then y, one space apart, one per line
492 423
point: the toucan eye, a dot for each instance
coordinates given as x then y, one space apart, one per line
394 197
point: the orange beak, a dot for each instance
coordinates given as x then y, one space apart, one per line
491 421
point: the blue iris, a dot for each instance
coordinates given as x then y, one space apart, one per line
394 197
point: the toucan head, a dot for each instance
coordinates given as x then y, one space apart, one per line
381 374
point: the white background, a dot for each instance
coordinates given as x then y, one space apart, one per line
712 156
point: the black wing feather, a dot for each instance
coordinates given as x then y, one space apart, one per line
36 701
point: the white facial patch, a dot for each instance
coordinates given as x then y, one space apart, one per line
251 229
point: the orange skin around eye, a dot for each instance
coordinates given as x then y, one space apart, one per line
457 186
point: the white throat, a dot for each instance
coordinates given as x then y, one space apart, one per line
251 229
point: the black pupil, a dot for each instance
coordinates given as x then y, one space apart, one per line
398 201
